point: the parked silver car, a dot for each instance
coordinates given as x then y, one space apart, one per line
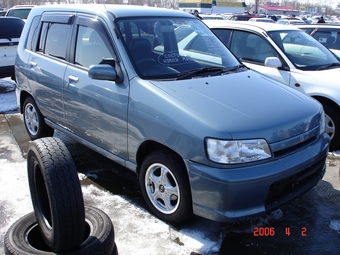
156 91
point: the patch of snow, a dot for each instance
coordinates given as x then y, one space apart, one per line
335 225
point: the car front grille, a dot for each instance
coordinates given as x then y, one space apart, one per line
295 185
294 148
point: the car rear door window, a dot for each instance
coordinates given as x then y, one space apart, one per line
55 41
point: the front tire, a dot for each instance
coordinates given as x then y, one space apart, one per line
24 237
56 193
34 121
165 187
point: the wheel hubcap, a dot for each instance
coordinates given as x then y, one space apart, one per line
330 126
31 119
162 188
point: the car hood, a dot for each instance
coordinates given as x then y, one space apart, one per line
244 105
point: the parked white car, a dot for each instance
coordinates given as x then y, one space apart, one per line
9 39
289 55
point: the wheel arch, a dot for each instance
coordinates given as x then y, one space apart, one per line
325 100
151 152
23 95
149 146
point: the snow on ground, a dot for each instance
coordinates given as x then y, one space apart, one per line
135 228
7 95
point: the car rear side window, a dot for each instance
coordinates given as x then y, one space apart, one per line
54 38
32 33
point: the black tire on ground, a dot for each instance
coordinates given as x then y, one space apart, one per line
332 122
56 193
165 187
34 120
24 237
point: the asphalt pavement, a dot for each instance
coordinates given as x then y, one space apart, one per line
308 225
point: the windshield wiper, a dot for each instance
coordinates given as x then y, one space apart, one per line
328 66
184 75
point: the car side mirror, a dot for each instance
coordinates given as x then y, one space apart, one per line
273 62
102 72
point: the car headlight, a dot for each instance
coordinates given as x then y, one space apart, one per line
322 122
235 152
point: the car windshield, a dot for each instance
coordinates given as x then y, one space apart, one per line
303 50
164 48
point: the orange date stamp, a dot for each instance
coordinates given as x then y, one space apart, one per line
270 231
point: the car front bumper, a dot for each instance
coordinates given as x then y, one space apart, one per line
229 195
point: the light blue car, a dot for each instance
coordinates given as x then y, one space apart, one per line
157 92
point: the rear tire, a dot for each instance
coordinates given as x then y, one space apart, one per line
56 193
34 120
24 237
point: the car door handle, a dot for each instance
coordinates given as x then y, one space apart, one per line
72 80
33 64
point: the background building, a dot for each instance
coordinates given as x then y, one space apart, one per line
212 6
274 8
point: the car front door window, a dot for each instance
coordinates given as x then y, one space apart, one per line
90 48
251 47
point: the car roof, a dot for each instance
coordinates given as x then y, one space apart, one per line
22 6
257 26
10 19
243 15
261 19
211 16
116 9
292 21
